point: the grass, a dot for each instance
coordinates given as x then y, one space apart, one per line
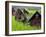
18 26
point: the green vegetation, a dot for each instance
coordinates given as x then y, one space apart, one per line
18 26
21 26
